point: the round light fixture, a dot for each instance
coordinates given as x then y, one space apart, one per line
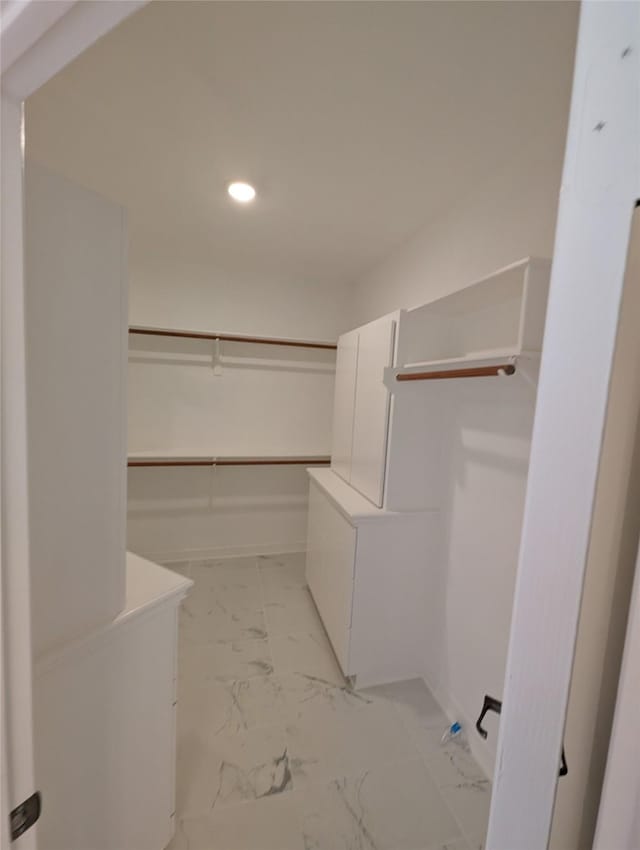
242 192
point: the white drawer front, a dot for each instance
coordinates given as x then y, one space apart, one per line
331 550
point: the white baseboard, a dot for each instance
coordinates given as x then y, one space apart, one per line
479 748
247 550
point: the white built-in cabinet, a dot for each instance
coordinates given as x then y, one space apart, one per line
105 625
361 406
375 531
365 570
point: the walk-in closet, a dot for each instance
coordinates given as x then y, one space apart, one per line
294 260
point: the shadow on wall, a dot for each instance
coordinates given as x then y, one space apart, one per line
182 513
486 443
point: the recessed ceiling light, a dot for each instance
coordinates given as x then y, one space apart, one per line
243 192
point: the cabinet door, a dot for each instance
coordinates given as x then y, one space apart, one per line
371 416
331 555
344 403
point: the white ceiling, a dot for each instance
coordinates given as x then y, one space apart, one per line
357 122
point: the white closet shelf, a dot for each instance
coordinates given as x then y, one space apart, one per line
142 459
501 315
142 330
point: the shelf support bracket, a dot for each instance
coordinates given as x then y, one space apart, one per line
217 357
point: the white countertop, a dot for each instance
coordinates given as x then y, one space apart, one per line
150 585
353 505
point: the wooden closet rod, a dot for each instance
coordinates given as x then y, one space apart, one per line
298 461
471 372
260 340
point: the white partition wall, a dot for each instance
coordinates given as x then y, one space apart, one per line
76 303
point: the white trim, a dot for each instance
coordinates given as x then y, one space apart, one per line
41 38
16 620
36 41
601 182
619 816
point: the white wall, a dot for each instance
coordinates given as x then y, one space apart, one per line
268 400
509 215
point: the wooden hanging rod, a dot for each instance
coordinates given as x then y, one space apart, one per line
260 340
254 461
470 372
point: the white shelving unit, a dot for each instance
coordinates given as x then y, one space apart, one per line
372 562
497 321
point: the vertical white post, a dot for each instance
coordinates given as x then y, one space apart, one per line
601 182
17 720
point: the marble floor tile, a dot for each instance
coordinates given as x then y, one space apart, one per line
309 653
449 763
395 807
294 612
276 752
227 708
278 580
224 662
221 613
332 731
470 802
214 771
270 824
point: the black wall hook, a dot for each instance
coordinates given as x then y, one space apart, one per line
493 704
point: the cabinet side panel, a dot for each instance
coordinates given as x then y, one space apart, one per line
331 552
344 404
77 457
371 419
104 740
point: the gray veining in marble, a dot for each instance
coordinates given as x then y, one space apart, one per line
277 752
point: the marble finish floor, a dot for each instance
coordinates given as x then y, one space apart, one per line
275 752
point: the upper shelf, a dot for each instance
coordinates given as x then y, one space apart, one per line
486 324
223 337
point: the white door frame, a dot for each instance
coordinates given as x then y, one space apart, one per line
36 40
601 181
600 185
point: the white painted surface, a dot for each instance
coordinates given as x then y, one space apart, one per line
608 582
462 448
344 400
502 314
267 401
601 183
76 343
330 568
371 411
105 724
338 185
619 815
369 572
42 38
185 513
16 719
